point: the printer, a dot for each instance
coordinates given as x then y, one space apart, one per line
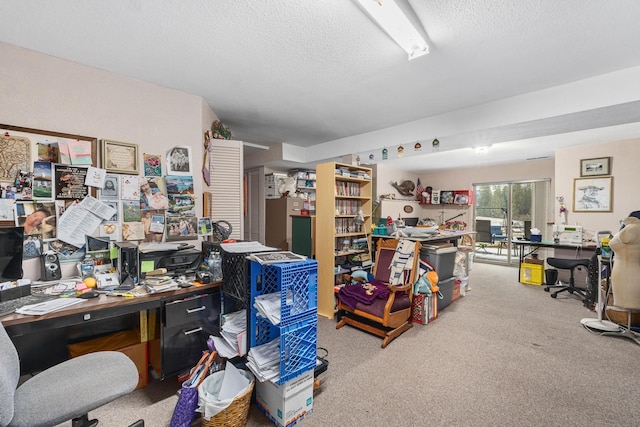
177 261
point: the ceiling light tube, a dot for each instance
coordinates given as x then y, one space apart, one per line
396 24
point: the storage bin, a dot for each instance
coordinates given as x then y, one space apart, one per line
442 259
446 290
531 274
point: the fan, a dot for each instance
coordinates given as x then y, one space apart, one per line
599 324
221 231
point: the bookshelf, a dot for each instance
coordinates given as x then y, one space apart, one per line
341 191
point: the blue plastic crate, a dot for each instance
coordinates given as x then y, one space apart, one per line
297 283
262 330
298 348
298 343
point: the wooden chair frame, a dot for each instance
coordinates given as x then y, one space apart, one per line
391 324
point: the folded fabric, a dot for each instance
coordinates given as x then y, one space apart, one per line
365 293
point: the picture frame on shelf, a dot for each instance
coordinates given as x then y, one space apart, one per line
593 194
462 197
598 166
120 157
446 197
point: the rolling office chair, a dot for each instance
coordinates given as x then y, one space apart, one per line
567 264
67 391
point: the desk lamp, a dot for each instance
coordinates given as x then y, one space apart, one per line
599 324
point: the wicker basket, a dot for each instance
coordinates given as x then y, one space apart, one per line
235 415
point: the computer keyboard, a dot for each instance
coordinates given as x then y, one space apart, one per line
7 307
49 306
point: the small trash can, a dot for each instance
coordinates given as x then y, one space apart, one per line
550 276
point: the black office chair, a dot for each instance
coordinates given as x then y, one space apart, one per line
67 391
483 234
567 264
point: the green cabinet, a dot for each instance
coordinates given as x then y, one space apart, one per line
302 231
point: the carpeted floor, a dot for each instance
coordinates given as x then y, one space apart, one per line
505 354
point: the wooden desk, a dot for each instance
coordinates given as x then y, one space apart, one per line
41 340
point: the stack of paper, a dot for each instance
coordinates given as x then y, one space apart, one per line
160 284
234 335
264 361
268 306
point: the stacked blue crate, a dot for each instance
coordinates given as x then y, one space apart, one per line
297 283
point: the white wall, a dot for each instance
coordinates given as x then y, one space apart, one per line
626 174
43 92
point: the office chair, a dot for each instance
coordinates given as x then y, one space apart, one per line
498 237
67 391
567 264
483 234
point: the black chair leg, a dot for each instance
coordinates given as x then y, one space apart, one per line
84 421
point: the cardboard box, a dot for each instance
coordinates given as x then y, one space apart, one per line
534 260
288 403
127 342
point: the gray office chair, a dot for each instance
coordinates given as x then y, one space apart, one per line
67 391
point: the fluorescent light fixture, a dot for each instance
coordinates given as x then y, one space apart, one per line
396 24
251 144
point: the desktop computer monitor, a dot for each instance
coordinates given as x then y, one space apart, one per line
11 247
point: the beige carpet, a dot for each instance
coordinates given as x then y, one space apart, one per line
505 354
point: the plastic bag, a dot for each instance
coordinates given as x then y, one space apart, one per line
208 403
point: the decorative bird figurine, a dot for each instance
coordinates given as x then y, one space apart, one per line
405 188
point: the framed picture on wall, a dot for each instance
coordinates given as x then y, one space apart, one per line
593 194
595 167
120 157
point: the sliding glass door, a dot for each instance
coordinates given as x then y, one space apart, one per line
506 211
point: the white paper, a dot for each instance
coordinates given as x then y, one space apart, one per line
242 247
75 223
99 208
95 177
233 382
130 187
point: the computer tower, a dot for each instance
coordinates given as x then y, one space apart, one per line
128 264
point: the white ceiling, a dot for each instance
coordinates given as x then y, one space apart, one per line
526 76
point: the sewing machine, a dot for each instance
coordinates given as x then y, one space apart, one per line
571 234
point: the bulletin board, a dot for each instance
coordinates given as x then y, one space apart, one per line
19 149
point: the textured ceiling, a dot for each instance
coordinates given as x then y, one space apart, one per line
321 72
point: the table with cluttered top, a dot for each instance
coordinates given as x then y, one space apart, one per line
42 340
